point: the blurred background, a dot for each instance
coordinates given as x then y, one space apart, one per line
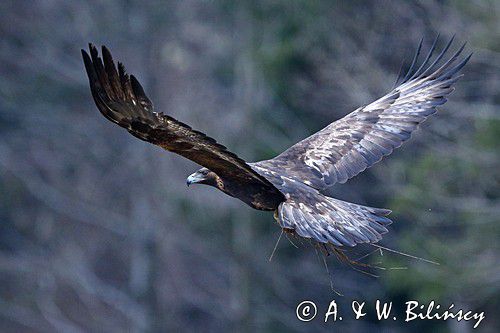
99 233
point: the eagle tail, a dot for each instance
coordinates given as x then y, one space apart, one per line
329 220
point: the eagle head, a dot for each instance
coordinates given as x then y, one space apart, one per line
203 176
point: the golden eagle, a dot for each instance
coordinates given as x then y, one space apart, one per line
291 184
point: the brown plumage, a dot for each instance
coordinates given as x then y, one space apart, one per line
291 183
121 99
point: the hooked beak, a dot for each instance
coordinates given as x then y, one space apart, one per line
194 178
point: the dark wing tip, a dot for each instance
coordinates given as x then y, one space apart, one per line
414 61
108 58
428 70
93 50
115 92
86 58
139 90
89 68
134 81
105 50
106 54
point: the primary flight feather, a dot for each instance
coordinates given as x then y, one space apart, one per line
291 184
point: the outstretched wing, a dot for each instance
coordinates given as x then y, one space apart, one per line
121 99
348 146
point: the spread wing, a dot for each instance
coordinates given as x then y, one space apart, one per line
348 146
121 99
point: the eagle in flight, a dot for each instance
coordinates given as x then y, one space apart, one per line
292 183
